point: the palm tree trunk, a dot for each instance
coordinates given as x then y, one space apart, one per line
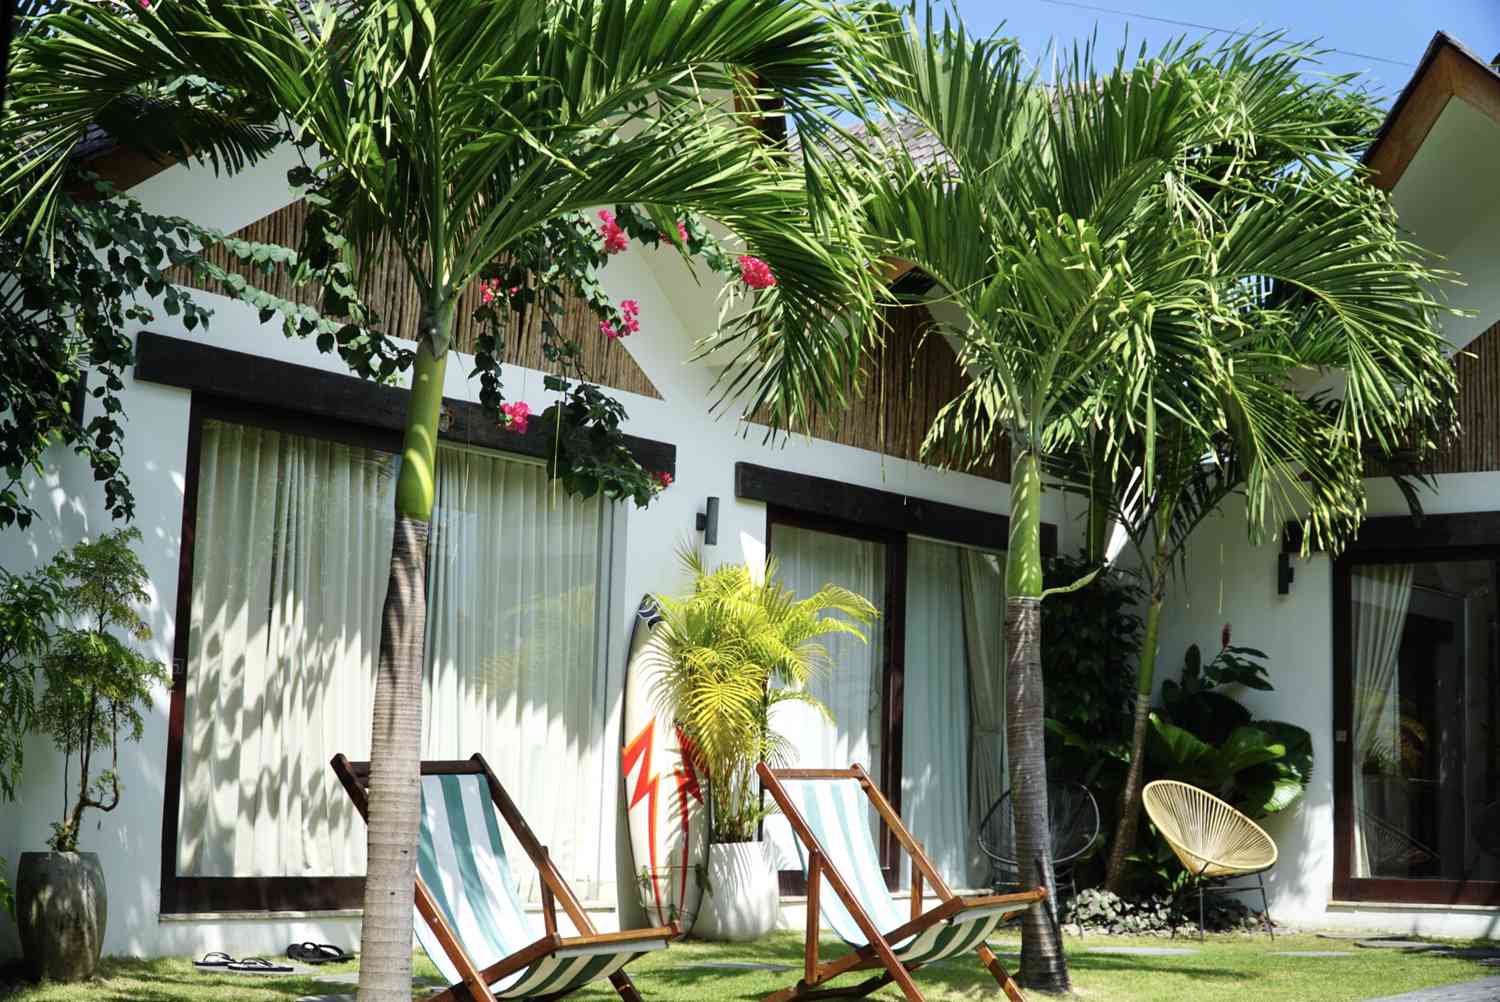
1099 498
1130 795
396 729
1043 966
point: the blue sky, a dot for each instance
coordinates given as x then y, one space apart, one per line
1383 39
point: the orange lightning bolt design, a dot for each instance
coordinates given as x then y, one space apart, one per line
646 785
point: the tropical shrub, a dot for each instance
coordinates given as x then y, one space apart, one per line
731 650
1090 637
1206 737
95 682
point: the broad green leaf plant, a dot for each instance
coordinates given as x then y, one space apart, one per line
730 652
449 133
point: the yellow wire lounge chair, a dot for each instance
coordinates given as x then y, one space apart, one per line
1215 842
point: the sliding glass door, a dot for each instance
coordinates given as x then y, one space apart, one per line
921 706
1418 733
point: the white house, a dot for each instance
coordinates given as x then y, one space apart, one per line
1390 655
261 472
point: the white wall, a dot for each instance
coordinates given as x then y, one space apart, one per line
128 840
1226 580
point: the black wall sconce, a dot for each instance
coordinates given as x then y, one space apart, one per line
1285 572
708 522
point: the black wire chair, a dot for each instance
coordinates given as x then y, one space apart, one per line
1074 821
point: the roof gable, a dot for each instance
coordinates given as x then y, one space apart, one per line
1447 70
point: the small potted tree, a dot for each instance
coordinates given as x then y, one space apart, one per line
95 684
732 649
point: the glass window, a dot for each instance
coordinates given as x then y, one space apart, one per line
807 560
1426 760
290 561
953 733
952 684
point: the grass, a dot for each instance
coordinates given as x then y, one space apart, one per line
1225 968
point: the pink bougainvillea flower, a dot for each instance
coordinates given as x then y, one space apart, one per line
516 416
662 479
756 273
682 233
608 329
614 237
631 326
629 307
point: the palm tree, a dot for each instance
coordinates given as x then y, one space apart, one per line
1168 239
737 646
450 131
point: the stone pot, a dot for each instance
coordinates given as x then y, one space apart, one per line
61 906
741 901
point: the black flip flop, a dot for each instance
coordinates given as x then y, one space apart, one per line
258 965
316 953
215 959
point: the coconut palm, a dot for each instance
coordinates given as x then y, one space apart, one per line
450 131
1168 236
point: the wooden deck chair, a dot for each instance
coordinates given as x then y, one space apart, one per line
470 920
828 811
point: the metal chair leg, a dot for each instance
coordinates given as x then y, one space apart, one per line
1265 907
1201 928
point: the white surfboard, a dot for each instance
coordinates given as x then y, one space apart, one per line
664 792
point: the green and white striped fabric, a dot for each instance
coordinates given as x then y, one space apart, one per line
838 812
462 861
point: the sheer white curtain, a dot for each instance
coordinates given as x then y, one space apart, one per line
807 560
984 628
291 557
513 647
936 713
1380 596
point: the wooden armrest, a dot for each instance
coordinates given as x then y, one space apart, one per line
1015 898
623 938
521 959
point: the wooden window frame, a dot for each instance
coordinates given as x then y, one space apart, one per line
839 508
255 391
1465 536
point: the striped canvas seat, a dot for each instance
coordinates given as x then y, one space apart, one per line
469 918
838 812
462 861
829 811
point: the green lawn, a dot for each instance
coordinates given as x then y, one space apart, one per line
1225 968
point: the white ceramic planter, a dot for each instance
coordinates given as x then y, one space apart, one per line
741 903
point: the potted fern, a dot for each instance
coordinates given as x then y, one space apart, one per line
732 649
95 686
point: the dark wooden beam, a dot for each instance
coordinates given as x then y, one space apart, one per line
878 509
1396 534
234 375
